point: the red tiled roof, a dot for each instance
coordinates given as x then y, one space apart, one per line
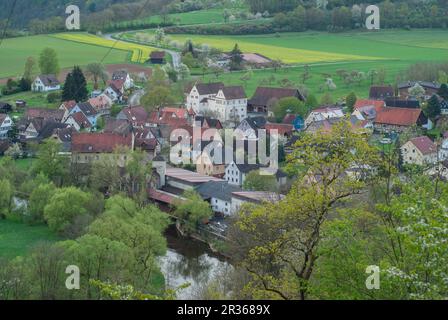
99 142
136 114
377 104
280 127
81 120
179 112
424 144
398 116
69 105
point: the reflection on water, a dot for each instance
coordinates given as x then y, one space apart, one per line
189 261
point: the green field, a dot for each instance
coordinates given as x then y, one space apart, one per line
17 238
14 52
392 50
188 18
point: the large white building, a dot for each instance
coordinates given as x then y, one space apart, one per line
227 104
45 83
419 151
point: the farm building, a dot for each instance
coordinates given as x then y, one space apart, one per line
45 83
265 97
157 57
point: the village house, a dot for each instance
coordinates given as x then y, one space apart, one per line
440 170
45 83
367 109
430 88
381 92
157 57
5 125
228 105
212 165
264 98
419 151
67 107
235 174
87 110
284 131
125 77
115 91
146 141
90 147
398 119
249 127
122 127
102 104
198 95
137 116
324 113
34 119
402 103
219 195
78 121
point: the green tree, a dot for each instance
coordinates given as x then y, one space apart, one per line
50 162
327 99
100 259
39 198
432 109
64 206
75 87
443 91
158 91
193 211
48 62
289 105
6 194
351 101
236 58
97 72
277 242
311 101
254 181
30 69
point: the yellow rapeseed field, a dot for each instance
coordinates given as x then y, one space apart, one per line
140 53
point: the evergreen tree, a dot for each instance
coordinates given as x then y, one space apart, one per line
236 58
75 87
351 101
443 91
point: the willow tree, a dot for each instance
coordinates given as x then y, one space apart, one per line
277 242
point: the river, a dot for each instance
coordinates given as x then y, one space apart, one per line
189 261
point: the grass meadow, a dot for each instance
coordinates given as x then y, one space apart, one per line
14 52
16 239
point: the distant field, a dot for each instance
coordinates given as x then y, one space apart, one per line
14 52
17 238
193 17
140 53
392 50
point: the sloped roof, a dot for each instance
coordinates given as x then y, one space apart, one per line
49 80
424 144
49 128
258 196
117 126
263 95
379 92
87 109
400 103
398 116
234 92
55 114
136 113
99 142
81 119
157 55
376 104
217 189
209 88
